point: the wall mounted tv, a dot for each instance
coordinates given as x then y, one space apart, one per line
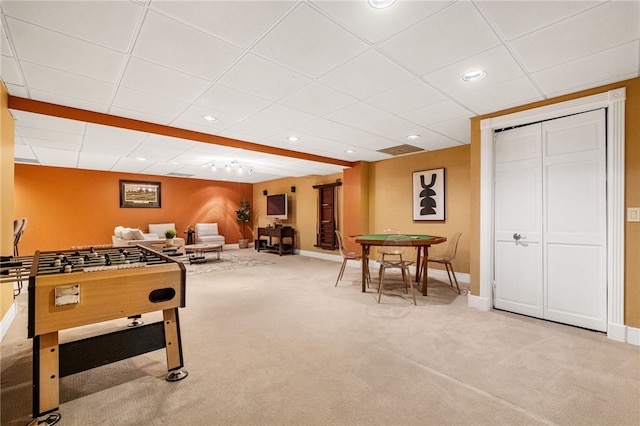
277 206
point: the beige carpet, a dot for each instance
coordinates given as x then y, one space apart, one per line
280 345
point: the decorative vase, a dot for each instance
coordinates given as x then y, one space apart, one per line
169 241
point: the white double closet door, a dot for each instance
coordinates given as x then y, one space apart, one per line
550 220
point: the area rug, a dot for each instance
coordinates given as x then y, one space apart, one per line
227 261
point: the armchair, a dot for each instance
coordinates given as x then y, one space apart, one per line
207 233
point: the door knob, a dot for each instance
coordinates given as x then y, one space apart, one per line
517 237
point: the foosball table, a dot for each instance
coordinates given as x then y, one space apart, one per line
76 288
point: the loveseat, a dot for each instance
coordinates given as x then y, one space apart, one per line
124 237
207 233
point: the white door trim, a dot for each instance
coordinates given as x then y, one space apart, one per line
614 101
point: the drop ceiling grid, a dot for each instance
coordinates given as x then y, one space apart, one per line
263 83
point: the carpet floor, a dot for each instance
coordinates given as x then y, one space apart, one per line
278 344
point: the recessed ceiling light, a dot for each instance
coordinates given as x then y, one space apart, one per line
293 139
209 118
413 137
141 159
381 4
349 151
473 75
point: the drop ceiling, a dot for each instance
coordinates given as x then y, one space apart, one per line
349 81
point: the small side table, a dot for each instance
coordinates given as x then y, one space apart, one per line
189 233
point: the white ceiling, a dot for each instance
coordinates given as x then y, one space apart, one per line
339 75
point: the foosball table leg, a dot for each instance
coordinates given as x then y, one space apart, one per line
173 345
46 375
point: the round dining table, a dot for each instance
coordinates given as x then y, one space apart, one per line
421 242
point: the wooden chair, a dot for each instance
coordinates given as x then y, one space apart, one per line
397 253
346 256
18 229
446 258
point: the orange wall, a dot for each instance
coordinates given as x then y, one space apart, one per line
67 207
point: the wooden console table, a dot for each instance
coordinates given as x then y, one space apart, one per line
280 233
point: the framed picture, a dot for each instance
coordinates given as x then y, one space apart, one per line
428 195
139 194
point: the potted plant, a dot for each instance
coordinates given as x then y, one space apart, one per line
170 234
243 216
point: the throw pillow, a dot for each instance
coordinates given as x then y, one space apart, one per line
137 234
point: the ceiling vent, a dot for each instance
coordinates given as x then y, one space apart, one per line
26 160
401 150
176 174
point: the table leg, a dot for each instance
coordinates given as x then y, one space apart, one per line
425 261
418 264
365 266
46 365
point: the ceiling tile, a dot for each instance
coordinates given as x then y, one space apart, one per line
70 101
152 152
10 73
17 90
65 53
148 103
317 99
498 64
23 151
130 165
517 18
597 29
262 78
458 129
97 161
38 121
56 157
249 130
343 133
282 116
68 84
518 91
151 78
231 101
193 116
437 113
595 70
318 44
406 97
450 35
367 75
106 23
5 48
175 45
378 24
238 22
138 115
113 135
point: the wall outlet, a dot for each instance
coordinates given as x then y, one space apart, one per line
633 214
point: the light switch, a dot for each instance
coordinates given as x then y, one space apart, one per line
633 214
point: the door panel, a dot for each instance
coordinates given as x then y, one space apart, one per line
573 295
575 220
518 197
555 202
518 279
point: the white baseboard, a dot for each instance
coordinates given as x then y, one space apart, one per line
7 320
633 336
481 303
